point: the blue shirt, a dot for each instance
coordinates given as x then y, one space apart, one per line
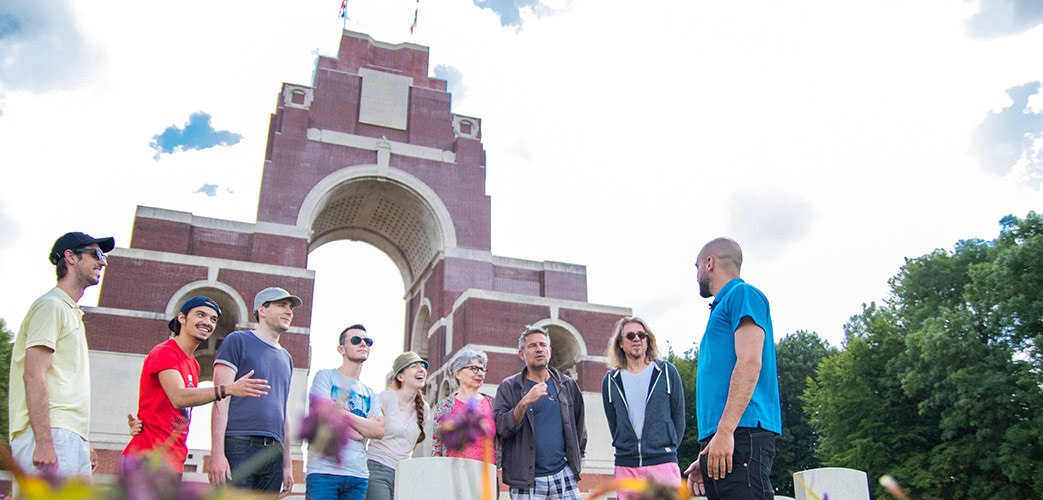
735 301
550 435
243 351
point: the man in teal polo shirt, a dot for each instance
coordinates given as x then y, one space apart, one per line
737 385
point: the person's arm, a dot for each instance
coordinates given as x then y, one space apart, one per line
581 422
510 414
368 428
749 345
220 471
287 460
676 402
610 412
535 393
441 411
37 361
184 397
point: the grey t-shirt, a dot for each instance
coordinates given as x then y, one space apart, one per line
636 388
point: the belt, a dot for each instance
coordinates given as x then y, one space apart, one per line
256 440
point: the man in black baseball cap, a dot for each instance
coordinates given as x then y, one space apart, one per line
169 385
49 400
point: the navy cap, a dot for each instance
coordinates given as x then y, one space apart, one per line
194 302
75 241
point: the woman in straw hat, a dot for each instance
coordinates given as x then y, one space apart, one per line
404 417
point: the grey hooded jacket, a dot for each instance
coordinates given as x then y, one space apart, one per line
664 418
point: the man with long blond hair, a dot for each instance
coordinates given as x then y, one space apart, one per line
644 405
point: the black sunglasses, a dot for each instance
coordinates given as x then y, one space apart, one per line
98 254
356 340
632 335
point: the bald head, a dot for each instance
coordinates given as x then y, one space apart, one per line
719 261
725 251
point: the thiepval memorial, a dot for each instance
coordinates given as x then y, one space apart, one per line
371 152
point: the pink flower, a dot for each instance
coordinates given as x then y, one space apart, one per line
460 430
326 428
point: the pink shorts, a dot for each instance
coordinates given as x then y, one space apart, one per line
668 473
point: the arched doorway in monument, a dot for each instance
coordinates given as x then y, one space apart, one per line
403 218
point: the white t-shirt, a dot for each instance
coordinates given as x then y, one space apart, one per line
355 397
400 433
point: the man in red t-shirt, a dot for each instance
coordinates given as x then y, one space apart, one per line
169 385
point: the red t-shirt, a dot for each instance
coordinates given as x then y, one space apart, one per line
162 424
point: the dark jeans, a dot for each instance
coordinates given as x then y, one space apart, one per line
751 468
256 462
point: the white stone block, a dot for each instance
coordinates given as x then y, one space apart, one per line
838 482
442 477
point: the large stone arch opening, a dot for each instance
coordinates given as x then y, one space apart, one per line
394 212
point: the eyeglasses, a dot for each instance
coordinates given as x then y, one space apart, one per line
632 335
474 368
98 254
356 340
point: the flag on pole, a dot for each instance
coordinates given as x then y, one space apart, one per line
415 12
344 9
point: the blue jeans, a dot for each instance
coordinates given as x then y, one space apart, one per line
332 486
256 462
751 468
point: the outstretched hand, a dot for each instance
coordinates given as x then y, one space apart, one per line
248 387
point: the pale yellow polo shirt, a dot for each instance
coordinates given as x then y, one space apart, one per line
55 321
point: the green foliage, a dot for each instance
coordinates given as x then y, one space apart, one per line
798 355
687 366
941 387
5 371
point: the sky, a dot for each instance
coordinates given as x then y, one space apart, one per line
832 140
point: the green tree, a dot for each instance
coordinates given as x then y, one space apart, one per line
941 386
798 355
5 371
687 366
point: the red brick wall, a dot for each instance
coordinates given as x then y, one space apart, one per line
144 285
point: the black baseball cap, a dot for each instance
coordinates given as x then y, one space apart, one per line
76 241
192 303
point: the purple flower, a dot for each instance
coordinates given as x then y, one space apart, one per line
460 430
327 428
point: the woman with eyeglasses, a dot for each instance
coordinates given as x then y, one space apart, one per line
468 368
405 413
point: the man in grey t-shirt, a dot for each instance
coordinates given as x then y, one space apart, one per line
644 405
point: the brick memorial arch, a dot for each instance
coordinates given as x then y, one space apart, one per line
370 152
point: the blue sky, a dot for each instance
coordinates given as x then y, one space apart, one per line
831 139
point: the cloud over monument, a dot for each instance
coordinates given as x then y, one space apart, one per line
510 11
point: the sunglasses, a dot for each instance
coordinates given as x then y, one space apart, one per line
475 368
639 335
356 340
98 254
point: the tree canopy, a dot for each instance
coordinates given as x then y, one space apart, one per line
941 386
